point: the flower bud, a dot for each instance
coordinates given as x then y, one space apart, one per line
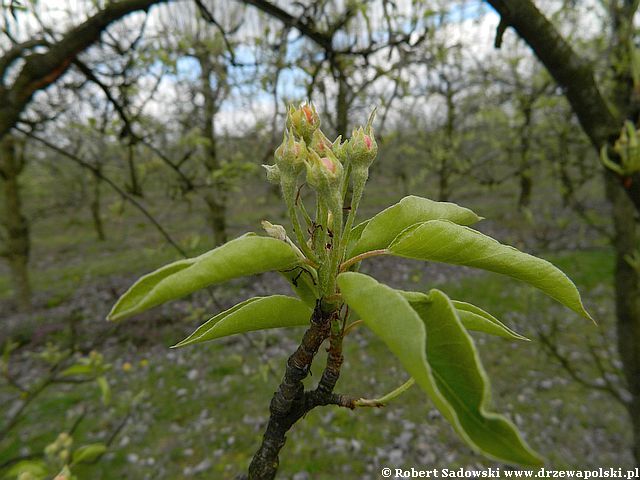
273 174
303 121
362 148
627 148
319 143
290 155
324 173
339 149
274 231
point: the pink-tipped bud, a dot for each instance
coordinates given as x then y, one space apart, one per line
290 155
329 165
303 121
362 147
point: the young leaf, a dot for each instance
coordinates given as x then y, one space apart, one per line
447 242
303 280
88 453
105 389
386 225
356 233
472 317
257 313
78 369
247 255
439 354
475 318
37 468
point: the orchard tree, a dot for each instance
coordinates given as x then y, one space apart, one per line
608 109
321 256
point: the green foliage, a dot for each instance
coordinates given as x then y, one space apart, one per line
59 460
383 228
254 314
426 332
247 255
432 345
444 241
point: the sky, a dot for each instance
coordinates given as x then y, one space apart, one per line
471 25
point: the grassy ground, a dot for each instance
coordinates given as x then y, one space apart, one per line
204 407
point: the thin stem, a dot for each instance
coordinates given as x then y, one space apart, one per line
351 326
298 231
358 189
358 258
305 214
345 181
382 401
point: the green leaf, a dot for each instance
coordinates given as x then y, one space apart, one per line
257 313
37 468
105 390
433 346
356 233
447 242
247 255
475 318
386 225
303 281
472 317
78 369
88 453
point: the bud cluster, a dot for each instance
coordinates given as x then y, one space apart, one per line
627 148
330 167
305 146
59 451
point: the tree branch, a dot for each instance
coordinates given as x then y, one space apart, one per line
601 124
42 69
96 171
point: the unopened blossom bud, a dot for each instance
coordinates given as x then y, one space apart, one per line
627 148
339 149
64 455
273 174
319 143
65 440
290 155
274 231
323 173
303 120
362 148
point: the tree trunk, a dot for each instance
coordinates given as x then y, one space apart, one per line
217 218
216 195
627 296
443 180
444 171
17 242
96 208
524 172
134 184
342 106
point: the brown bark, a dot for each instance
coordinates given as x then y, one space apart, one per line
342 106
216 195
96 207
573 73
42 69
291 402
17 242
602 125
524 171
627 299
